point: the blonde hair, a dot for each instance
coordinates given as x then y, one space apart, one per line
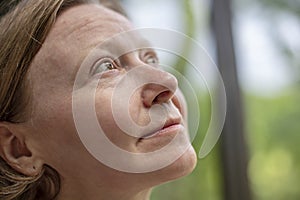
24 27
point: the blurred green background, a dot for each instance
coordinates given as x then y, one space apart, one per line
266 36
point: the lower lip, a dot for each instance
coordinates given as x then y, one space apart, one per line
170 130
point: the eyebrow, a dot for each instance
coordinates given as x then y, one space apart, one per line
97 53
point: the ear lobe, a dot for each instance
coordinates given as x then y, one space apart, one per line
16 153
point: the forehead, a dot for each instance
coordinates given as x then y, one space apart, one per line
88 22
75 33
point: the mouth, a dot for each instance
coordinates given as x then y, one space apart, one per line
170 126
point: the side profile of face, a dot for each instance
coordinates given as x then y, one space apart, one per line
51 132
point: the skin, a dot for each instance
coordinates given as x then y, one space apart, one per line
50 137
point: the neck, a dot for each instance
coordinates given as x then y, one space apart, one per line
113 193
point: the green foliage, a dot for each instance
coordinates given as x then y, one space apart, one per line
274 133
276 11
190 30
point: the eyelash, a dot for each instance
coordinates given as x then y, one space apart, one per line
154 61
102 62
150 55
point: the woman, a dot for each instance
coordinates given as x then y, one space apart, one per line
43 44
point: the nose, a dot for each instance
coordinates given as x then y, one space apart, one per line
161 91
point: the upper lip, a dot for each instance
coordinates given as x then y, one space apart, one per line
168 123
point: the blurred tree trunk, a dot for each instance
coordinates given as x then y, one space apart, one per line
233 147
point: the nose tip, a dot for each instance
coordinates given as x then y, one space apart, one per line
161 91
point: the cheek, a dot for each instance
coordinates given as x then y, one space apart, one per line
53 115
180 103
54 131
136 110
108 123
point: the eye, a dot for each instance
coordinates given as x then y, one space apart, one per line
151 59
103 65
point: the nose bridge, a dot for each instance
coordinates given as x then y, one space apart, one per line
154 76
162 79
130 60
157 86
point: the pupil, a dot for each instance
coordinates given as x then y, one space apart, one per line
152 60
109 65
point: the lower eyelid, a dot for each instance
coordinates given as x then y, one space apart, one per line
107 74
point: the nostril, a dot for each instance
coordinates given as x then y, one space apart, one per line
160 90
163 97
156 94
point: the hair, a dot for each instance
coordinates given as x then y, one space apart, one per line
24 26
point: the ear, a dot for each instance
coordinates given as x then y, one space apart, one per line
16 153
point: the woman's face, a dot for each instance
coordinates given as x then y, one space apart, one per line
52 130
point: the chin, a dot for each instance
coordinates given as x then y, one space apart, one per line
181 167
